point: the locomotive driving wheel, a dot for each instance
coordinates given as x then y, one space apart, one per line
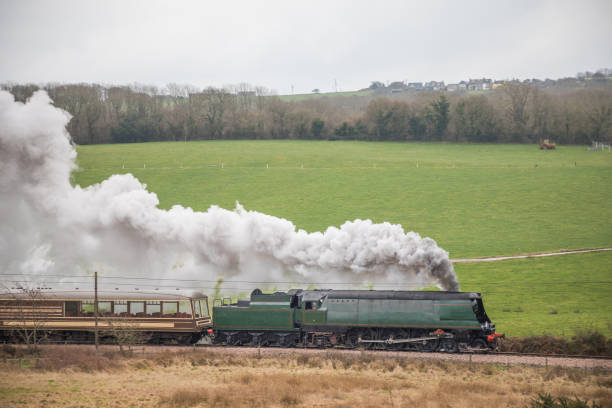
428 346
373 334
449 346
352 339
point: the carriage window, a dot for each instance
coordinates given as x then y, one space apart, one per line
196 308
120 308
184 309
87 308
153 308
104 309
204 305
169 309
137 309
308 305
71 309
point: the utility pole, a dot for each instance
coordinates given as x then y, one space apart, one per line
96 308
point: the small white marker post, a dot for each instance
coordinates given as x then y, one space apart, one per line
417 165
221 165
267 166
123 166
144 166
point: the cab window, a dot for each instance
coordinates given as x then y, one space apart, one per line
204 306
196 308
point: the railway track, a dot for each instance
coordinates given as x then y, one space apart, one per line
503 358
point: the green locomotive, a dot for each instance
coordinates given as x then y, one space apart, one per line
393 320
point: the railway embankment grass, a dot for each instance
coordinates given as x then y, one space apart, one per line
207 378
559 295
474 200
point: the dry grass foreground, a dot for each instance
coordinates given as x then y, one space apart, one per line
77 378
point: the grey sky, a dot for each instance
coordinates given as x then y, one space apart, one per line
307 44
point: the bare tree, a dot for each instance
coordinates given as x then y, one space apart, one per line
598 106
517 94
124 333
27 307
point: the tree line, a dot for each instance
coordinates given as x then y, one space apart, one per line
513 113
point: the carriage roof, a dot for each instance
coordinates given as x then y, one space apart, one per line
88 295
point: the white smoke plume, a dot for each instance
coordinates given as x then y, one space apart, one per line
48 227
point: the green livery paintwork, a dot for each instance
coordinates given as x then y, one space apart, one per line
275 312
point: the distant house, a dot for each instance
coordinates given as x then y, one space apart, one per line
415 85
397 85
483 84
497 84
435 86
452 87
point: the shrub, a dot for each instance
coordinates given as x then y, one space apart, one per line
586 342
184 398
57 359
289 400
548 401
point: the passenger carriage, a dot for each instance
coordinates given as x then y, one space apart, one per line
70 316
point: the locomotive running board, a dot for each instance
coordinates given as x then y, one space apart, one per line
398 341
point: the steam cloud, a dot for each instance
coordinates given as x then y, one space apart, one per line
47 226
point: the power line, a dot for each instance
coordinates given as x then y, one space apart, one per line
295 282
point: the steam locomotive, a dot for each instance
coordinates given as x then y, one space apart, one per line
387 320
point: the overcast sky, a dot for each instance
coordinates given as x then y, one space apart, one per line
307 44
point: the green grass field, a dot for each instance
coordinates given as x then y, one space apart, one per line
474 200
553 295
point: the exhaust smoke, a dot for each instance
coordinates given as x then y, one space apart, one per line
48 227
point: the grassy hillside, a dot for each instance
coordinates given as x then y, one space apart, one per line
474 200
554 295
